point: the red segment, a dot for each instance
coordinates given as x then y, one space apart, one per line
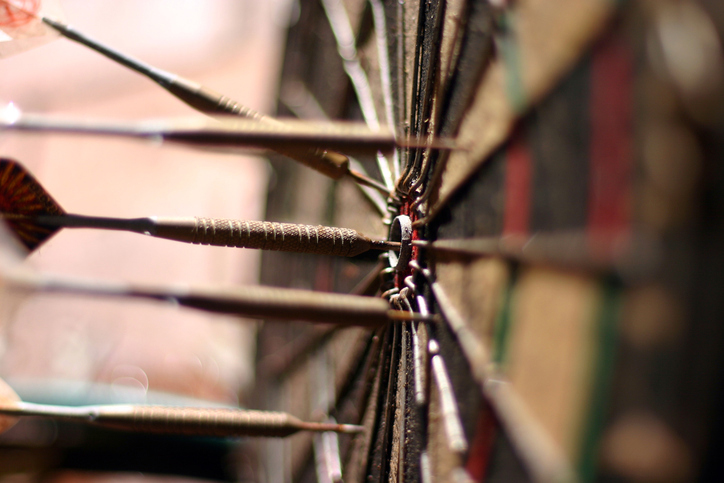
481 445
415 236
17 13
609 209
518 175
323 275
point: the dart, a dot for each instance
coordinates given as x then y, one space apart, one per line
203 99
227 134
244 301
187 421
34 216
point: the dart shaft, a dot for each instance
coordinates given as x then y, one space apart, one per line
137 225
190 421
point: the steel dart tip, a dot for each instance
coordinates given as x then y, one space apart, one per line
367 181
403 316
337 428
350 428
385 245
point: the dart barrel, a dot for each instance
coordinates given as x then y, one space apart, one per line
216 422
189 421
329 163
265 235
290 304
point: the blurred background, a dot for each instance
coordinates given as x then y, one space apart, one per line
231 46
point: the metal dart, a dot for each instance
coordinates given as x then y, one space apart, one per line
34 216
228 134
244 301
187 421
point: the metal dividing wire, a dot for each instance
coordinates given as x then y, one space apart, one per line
457 441
302 97
344 36
542 456
380 25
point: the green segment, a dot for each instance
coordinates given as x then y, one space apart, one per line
501 330
511 56
603 367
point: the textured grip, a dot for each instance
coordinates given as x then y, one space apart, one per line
288 237
206 100
218 422
227 105
329 163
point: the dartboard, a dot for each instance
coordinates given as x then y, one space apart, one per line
567 245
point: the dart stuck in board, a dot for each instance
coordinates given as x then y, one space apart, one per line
228 134
256 302
186 421
34 216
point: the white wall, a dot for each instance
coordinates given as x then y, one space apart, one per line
230 45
